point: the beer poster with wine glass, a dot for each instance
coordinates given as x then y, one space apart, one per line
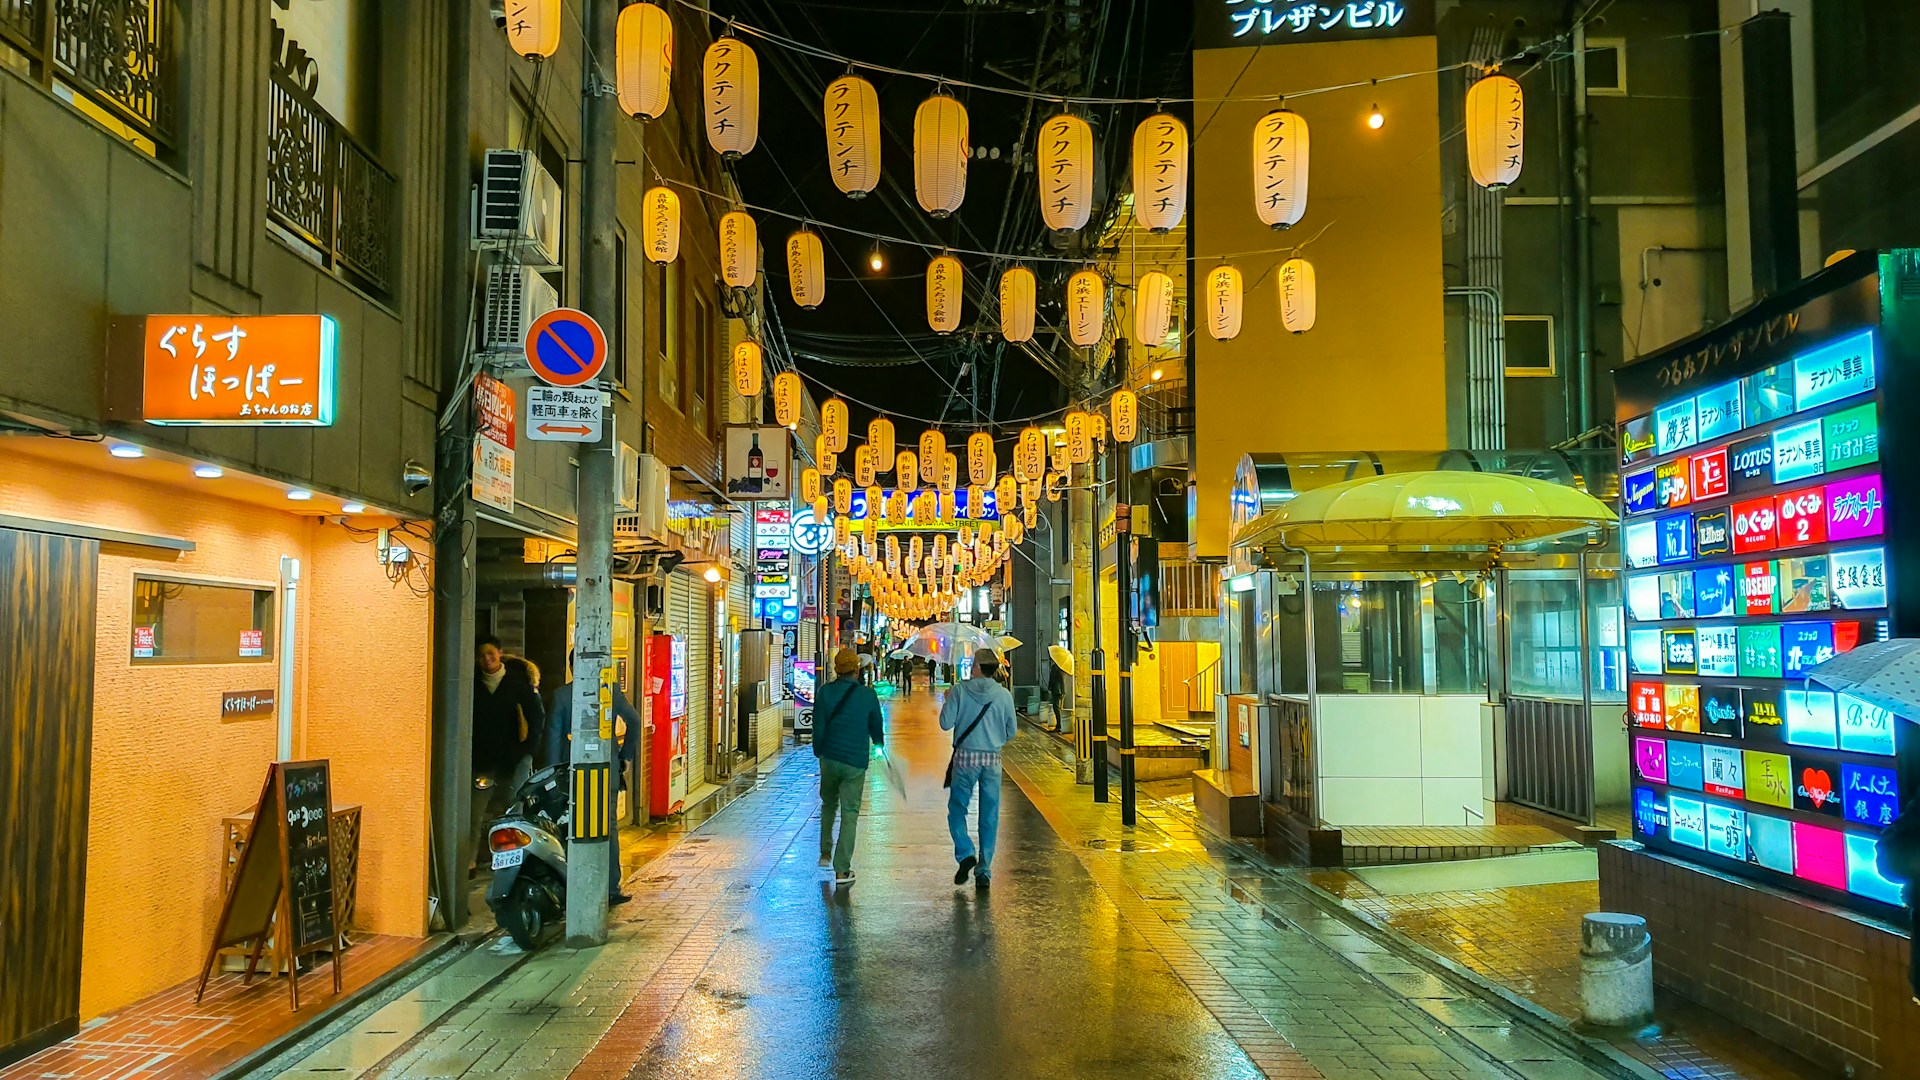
759 463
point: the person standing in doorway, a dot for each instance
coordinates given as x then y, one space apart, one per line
847 727
508 723
979 711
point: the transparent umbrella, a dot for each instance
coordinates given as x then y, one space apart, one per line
948 642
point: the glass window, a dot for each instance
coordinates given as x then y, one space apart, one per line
1529 345
1459 636
183 622
617 354
1545 632
673 344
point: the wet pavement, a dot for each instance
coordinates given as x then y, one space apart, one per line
1099 951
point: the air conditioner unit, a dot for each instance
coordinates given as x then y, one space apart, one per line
648 521
629 478
516 296
519 208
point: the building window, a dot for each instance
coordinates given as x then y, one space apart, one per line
700 361
1607 67
198 622
618 358
1529 341
674 327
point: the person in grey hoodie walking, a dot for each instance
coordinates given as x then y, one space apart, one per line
979 711
847 726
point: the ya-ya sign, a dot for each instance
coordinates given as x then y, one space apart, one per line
241 371
1226 23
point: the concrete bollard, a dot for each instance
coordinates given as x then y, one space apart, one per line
1616 970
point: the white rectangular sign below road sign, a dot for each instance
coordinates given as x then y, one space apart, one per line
565 414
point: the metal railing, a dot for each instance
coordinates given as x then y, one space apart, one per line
1189 589
1201 687
1550 757
1292 764
325 188
115 54
1166 410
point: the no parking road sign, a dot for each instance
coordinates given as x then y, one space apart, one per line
566 348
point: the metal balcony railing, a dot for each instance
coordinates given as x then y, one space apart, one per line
116 55
325 187
1166 410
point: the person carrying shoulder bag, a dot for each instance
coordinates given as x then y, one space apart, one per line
980 713
847 727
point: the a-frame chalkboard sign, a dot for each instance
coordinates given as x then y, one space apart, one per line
283 886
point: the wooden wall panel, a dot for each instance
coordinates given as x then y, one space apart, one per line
47 595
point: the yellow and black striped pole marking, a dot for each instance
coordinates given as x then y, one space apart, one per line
591 815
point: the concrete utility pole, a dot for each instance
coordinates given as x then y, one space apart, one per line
1085 647
593 846
1123 578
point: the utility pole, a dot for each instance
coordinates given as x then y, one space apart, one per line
1123 578
1098 656
593 851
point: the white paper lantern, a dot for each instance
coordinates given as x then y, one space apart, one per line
787 392
940 152
945 281
880 437
643 61
1496 128
1160 172
1030 459
732 97
1017 295
843 496
1126 415
1225 298
853 135
1079 438
980 458
806 268
1066 172
1299 302
1152 309
739 249
533 28
660 223
833 424
1280 147
809 484
1086 307
748 364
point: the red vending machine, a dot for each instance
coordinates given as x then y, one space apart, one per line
667 705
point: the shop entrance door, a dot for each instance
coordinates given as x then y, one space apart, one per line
47 593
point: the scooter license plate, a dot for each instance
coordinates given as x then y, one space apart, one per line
504 859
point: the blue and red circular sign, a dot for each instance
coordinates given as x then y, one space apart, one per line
566 348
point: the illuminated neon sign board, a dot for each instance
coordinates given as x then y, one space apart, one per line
1226 23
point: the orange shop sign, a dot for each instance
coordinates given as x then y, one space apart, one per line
245 371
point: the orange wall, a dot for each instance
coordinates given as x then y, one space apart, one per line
166 769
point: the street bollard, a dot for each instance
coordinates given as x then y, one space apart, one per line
1616 970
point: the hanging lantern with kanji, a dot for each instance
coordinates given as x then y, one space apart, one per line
876 501
843 496
833 424
1030 461
1224 300
1152 309
1058 458
1097 429
1126 415
870 528
863 465
980 458
1160 172
643 61
853 135
906 470
940 152
1079 438
893 554
945 280
1299 303
739 249
806 268
660 223
976 502
842 529
1496 129
897 507
787 392
1066 171
1280 147
1017 304
533 28
1030 513
809 485
732 97
1086 307
933 447
1005 490
1014 530
880 437
949 472
1030 490
748 368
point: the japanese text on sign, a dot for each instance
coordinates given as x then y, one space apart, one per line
247 370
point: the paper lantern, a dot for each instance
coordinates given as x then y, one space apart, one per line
1066 172
533 28
1152 308
949 473
1030 490
1280 168
1097 428
876 500
1016 304
806 268
871 528
1224 300
897 507
1030 514
893 554
660 223
842 530
906 470
863 465
976 501
916 547
1298 300
643 61
945 280
819 508
980 458
843 496
739 249
1004 492
786 398
853 135
966 539
1055 482
880 437
1015 531
1126 415
809 484
1086 307
1030 461
833 424
732 97
1496 126
940 152
933 447
1079 438
748 364
1058 458
1160 172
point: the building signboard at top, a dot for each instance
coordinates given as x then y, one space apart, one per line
239 371
1225 23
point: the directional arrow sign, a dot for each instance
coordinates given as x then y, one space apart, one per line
564 414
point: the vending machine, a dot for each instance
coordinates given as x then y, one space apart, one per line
667 705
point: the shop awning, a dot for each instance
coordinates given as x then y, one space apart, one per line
1443 510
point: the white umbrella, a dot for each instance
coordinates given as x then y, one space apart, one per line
1884 673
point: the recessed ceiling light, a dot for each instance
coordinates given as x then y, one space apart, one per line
353 508
300 494
209 472
123 450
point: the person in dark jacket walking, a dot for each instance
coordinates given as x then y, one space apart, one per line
507 724
847 726
626 740
1056 690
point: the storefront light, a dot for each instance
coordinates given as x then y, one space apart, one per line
353 508
712 575
209 472
1243 583
299 494
124 450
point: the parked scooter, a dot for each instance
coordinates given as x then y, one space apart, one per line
529 845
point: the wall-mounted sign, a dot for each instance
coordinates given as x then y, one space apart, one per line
493 442
1225 23
239 371
238 704
758 462
565 414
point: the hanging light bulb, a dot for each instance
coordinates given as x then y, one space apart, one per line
875 261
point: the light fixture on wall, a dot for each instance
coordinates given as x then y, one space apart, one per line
209 472
299 494
125 450
712 575
353 508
